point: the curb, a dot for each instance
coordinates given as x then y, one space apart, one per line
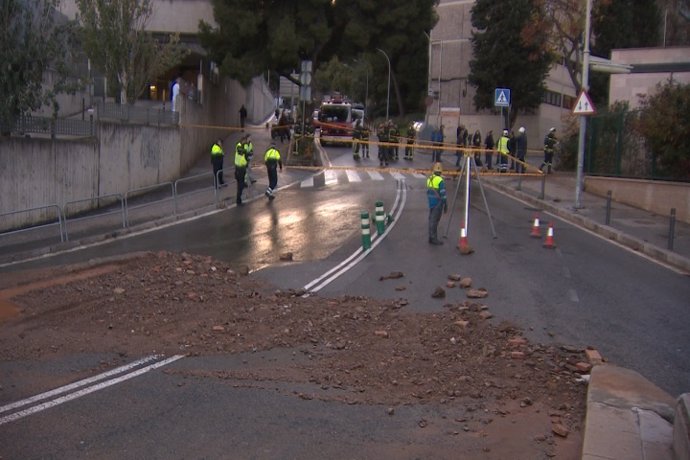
655 252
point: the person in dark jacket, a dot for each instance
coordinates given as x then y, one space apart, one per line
476 145
489 146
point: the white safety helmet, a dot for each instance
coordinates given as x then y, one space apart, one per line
505 132
552 130
521 130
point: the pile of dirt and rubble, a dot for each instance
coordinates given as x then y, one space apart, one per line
180 303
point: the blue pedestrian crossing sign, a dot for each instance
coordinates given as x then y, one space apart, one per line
502 97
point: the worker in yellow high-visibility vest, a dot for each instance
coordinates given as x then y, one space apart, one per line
240 169
217 162
503 149
273 162
436 195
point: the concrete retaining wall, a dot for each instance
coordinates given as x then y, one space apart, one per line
36 172
655 196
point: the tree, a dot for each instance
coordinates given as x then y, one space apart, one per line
614 24
252 37
32 42
114 37
665 124
509 51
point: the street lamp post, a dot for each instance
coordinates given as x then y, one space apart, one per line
388 97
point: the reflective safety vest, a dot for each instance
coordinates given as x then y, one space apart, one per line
216 150
240 158
272 154
502 145
435 190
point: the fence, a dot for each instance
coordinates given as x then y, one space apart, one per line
616 148
110 213
77 127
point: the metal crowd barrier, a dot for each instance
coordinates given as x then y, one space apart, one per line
141 190
117 196
60 221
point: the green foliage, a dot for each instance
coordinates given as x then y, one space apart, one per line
253 37
621 24
114 37
334 76
665 124
509 52
31 43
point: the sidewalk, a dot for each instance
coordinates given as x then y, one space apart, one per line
640 230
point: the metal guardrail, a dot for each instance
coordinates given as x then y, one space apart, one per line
118 196
141 190
52 126
36 227
136 114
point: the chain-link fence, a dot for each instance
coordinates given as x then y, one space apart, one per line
615 147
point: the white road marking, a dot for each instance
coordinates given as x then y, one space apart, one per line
360 254
573 295
86 391
308 182
352 175
330 177
375 175
398 176
419 176
80 383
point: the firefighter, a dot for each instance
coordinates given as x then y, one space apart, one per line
365 141
384 136
357 133
550 141
395 137
249 152
411 135
436 194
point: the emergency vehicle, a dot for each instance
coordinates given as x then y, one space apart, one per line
335 121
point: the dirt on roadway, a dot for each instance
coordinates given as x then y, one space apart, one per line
518 397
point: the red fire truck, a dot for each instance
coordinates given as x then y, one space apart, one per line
335 121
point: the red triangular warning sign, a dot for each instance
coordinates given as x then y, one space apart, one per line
583 105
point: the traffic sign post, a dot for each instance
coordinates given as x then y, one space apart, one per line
502 97
584 105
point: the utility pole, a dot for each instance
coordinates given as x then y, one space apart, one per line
583 118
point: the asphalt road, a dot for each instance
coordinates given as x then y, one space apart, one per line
585 292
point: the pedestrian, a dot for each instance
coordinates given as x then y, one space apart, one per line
395 138
174 92
489 149
273 162
477 145
459 134
243 116
217 162
437 139
550 141
249 152
503 151
240 170
436 194
521 150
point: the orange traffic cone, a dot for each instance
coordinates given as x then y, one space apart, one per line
463 245
536 231
548 243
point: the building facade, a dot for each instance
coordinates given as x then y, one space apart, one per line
451 96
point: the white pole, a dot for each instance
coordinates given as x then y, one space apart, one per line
467 194
583 118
